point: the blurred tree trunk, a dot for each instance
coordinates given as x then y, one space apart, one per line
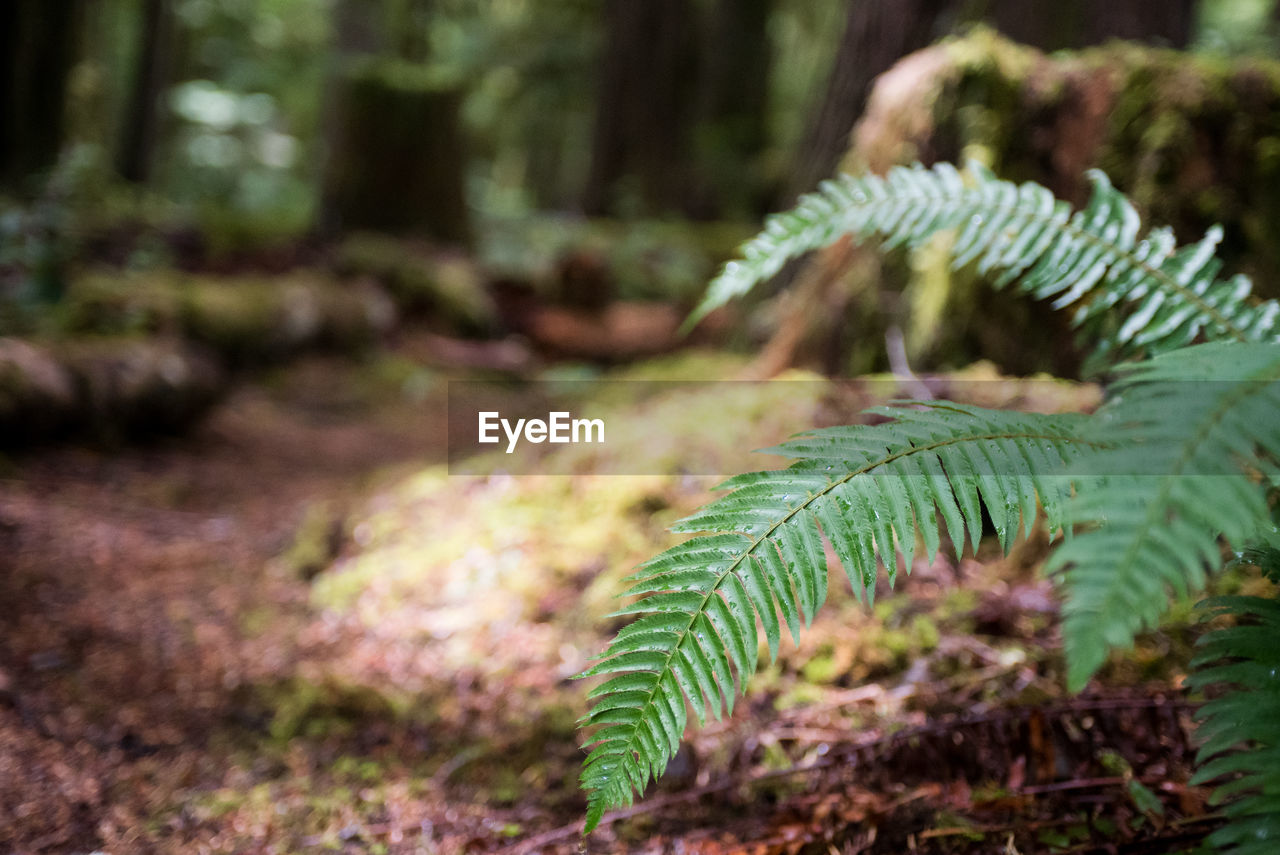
358 27
38 41
136 155
731 132
877 34
680 109
641 153
396 162
396 159
880 32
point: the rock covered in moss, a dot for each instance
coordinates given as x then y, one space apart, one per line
129 388
245 320
1193 140
445 286
37 393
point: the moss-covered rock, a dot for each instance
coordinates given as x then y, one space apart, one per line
1192 140
130 388
102 389
37 394
444 285
244 320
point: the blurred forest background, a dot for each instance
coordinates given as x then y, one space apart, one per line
244 244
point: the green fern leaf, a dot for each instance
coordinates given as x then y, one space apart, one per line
1096 258
1180 431
1240 730
865 490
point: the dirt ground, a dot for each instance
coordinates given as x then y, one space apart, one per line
169 682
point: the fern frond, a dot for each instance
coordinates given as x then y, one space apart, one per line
1184 434
865 490
1095 258
1240 730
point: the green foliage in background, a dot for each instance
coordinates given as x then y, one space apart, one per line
1182 454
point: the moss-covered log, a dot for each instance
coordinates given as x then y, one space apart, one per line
245 321
445 287
38 397
397 160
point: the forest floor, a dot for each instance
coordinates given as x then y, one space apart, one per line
292 630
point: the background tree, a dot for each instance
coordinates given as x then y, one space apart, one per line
878 33
38 43
396 159
641 153
140 131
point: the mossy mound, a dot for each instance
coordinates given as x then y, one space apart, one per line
130 388
244 320
443 285
125 356
249 321
1192 140
37 393
105 389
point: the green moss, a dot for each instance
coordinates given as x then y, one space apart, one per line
824 666
254 321
304 708
314 542
420 279
116 303
1192 139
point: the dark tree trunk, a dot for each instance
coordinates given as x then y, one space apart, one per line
396 162
38 41
396 156
642 145
877 34
141 130
731 132
1056 25
880 32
